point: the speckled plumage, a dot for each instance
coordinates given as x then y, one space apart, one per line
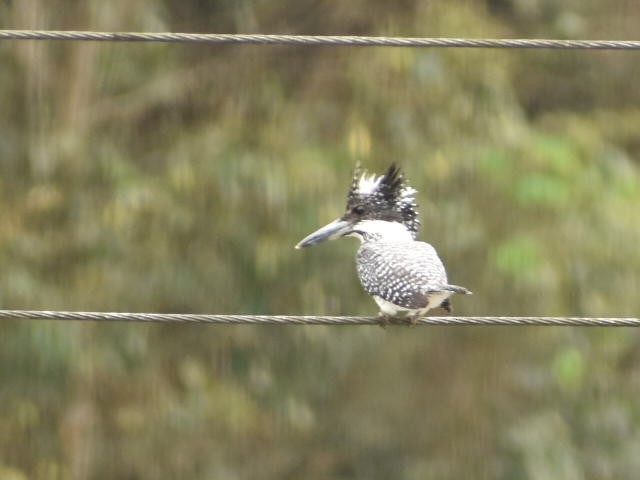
407 274
403 273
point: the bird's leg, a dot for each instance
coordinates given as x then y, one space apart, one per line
446 305
413 319
384 320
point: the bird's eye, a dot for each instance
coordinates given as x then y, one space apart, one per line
358 209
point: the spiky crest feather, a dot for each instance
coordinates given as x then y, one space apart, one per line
385 197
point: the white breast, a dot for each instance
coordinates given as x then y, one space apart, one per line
393 310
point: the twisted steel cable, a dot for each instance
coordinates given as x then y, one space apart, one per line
311 319
330 40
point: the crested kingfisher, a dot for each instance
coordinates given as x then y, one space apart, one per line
405 277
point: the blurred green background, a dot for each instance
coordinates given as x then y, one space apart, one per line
178 178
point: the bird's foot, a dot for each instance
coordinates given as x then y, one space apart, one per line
446 305
413 319
384 320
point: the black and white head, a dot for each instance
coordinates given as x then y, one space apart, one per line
378 207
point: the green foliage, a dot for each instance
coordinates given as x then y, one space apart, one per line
519 258
178 178
569 369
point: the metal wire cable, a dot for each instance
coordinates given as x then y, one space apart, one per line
331 40
311 319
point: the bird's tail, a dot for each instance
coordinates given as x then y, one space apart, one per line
457 289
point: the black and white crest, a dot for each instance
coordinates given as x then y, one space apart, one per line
385 197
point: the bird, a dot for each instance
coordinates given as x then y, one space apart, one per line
405 277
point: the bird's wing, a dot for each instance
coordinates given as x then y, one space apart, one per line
401 273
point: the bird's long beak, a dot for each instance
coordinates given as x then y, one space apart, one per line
336 229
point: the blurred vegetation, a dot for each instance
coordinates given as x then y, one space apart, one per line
177 178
